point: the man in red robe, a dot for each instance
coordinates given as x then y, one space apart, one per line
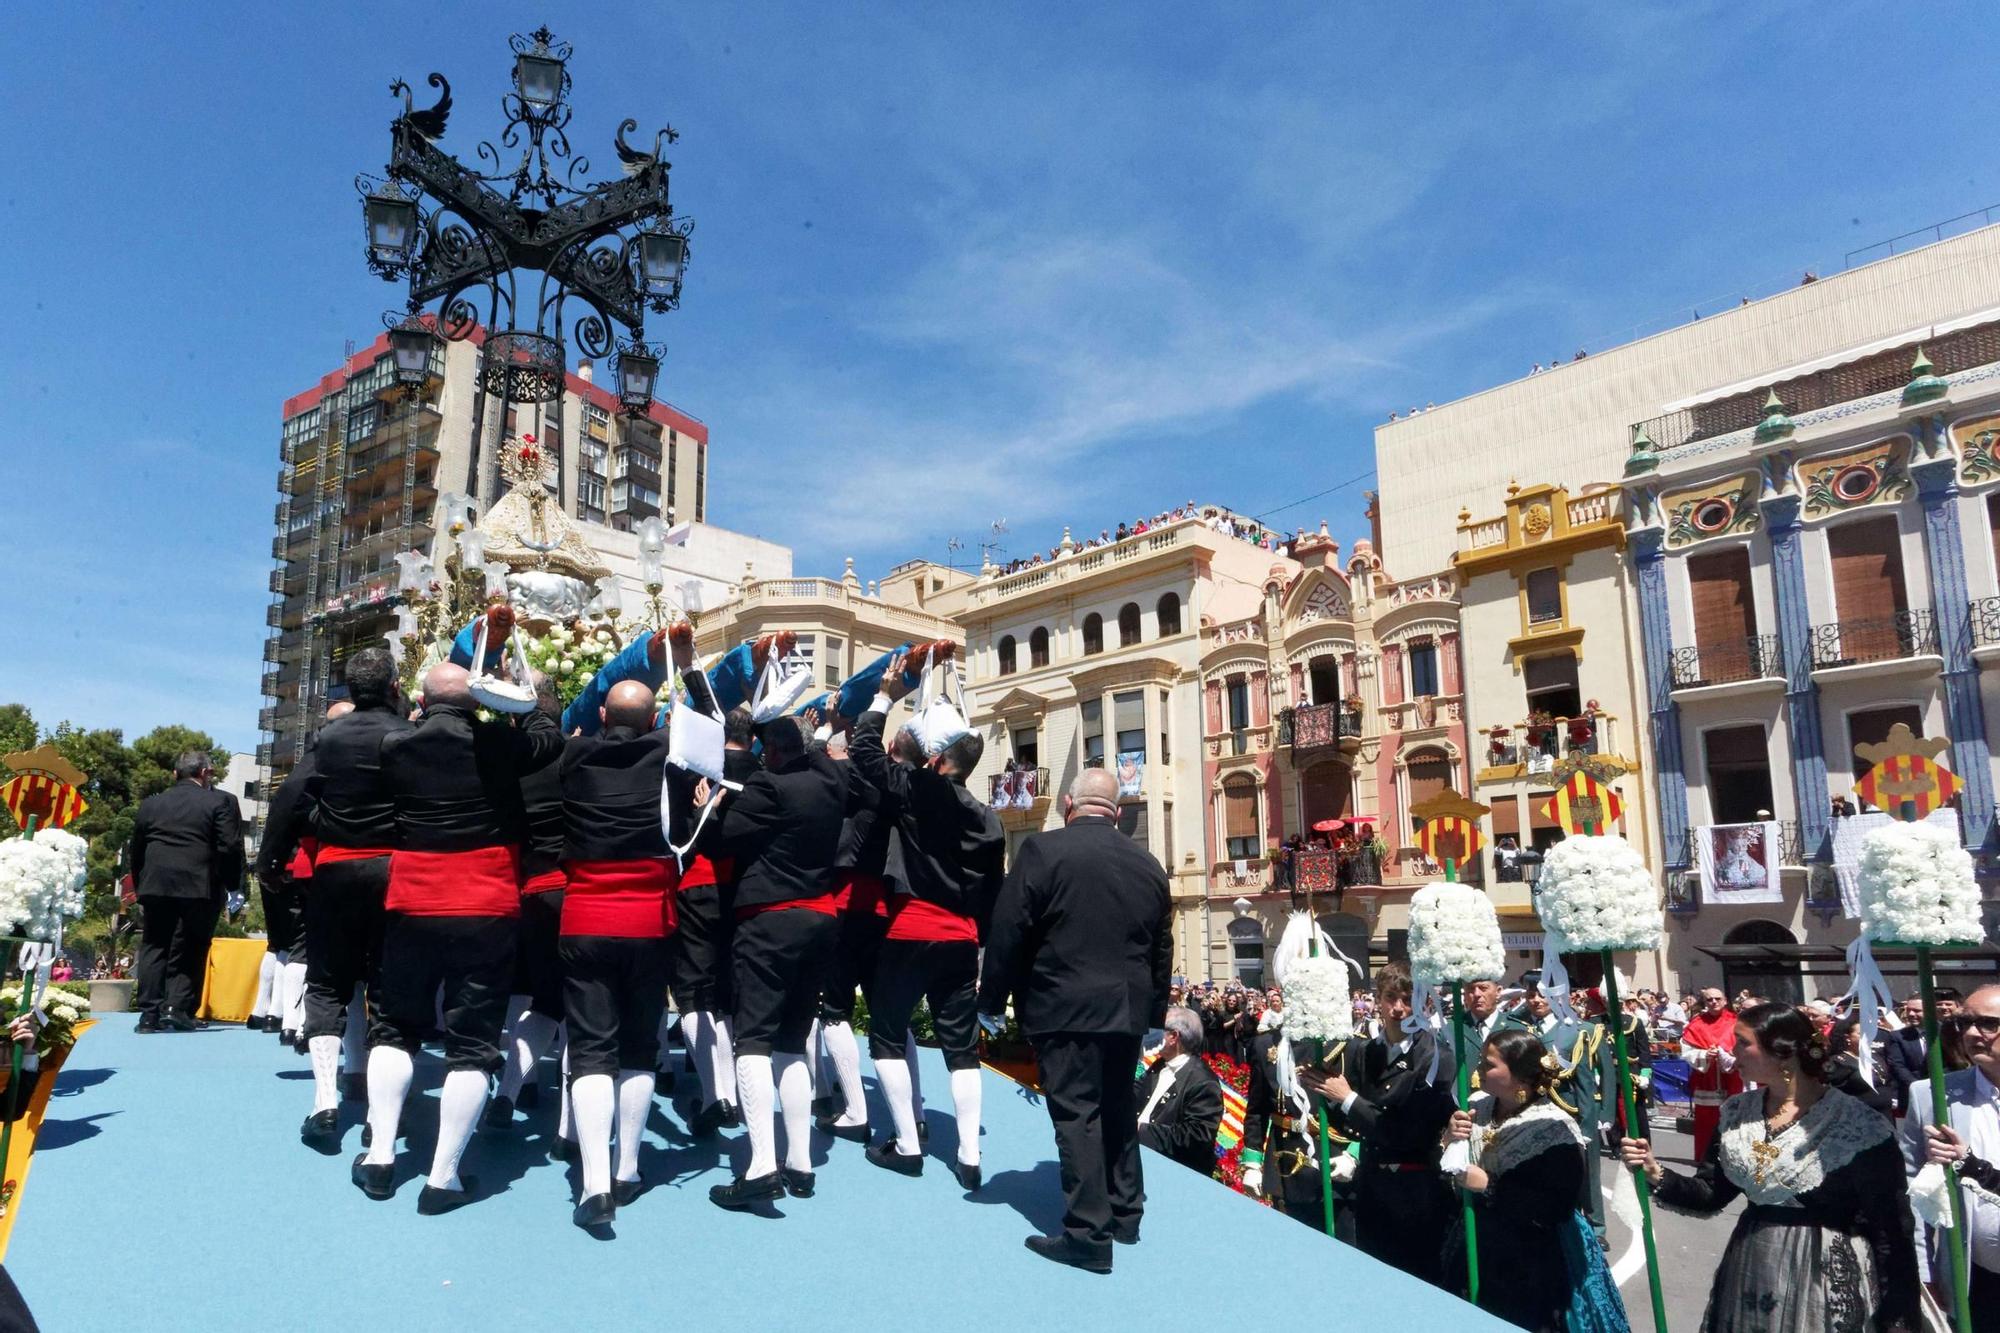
1709 1045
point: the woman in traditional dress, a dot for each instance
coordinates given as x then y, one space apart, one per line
1540 1266
1825 1243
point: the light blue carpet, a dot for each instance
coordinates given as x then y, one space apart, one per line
171 1191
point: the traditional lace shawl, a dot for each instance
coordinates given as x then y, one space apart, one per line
1776 1169
1498 1149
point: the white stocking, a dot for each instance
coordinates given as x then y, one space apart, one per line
593 1096
354 1057
795 1101
894 1076
292 1016
565 1128
635 1101
916 1076
389 1070
725 1054
845 1053
698 1034
533 1034
814 1050
459 1105
965 1084
267 972
326 1073
754 1094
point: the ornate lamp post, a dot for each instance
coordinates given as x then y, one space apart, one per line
525 247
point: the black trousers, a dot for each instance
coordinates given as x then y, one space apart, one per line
285 921
945 972
699 951
1298 1196
538 972
174 934
780 960
343 940
1984 1290
1087 1082
472 957
615 991
1400 1216
855 955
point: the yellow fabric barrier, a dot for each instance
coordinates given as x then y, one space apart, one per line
26 1130
229 990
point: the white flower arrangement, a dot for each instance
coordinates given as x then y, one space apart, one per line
1317 1007
1596 893
41 883
1454 936
1916 887
570 657
62 1010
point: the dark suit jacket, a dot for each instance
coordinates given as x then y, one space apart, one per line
1398 1111
1903 1051
783 829
1081 935
187 842
1184 1124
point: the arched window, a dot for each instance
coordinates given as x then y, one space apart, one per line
1038 647
1774 977
1239 818
1006 648
1093 634
1128 624
1170 614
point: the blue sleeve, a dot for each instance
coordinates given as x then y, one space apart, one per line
859 690
732 678
632 663
461 649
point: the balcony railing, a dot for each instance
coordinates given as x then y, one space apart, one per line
1723 663
1324 871
1316 725
1022 789
1984 613
1885 639
1791 848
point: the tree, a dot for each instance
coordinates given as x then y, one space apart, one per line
17 729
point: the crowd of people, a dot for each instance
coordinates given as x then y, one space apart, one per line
1216 519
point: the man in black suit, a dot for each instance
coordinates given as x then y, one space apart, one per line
1082 937
1180 1100
1903 1050
1398 1110
187 852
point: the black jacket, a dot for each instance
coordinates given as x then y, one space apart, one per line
455 782
187 842
1185 1122
1082 934
352 805
1903 1051
542 807
1399 1113
287 819
610 786
949 848
783 831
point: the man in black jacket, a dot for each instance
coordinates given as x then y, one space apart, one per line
1904 1051
187 853
782 831
949 855
1180 1100
353 817
449 918
284 875
1082 938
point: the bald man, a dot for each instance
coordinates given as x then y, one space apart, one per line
617 914
1082 939
454 895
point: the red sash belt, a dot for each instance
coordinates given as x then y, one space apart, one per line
326 853
859 892
702 870
301 865
622 899
912 918
483 882
547 880
824 904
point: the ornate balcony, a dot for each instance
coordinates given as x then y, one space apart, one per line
1318 725
1023 789
1984 613
1322 871
1883 639
1723 663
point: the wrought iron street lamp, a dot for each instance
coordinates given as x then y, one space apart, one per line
412 344
638 373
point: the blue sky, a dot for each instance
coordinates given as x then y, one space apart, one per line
955 263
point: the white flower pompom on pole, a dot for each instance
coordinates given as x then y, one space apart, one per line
1454 936
1596 893
1916 887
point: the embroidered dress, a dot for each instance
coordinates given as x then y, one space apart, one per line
1825 1243
1540 1266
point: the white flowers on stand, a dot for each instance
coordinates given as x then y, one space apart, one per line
1454 936
1317 1004
41 883
1596 893
1917 887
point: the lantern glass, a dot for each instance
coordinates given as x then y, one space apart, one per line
539 80
637 373
411 346
392 227
662 254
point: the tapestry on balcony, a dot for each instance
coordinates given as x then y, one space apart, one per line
1739 863
1131 772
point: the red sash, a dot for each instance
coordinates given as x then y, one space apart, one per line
702 870
547 880
301 865
912 918
631 900
325 854
824 904
861 893
483 882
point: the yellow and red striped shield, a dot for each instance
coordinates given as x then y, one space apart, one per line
1446 827
1899 778
51 802
1581 801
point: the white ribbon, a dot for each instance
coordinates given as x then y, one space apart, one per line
1930 1195
1555 990
37 960
1871 996
1425 1001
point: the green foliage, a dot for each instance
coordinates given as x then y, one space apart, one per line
17 729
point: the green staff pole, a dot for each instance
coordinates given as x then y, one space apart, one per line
1954 1244
1614 1018
1319 1054
14 1072
1464 1103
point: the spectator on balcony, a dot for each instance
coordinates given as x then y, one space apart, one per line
1842 807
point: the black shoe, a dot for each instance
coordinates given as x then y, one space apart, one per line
798 1184
180 1023
273 1023
741 1194
255 1022
499 1114
529 1097
1074 1253
852 1133
884 1155
1130 1237
731 1117
354 1088
663 1082
624 1191
970 1178
300 1045
289 1036
434 1201
709 1119
377 1182
826 1108
596 1211
148 1023
321 1132
562 1150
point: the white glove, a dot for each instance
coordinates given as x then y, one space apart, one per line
1253 1180
1726 1059
1344 1168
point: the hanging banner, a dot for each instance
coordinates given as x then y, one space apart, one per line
1848 833
1131 771
1739 863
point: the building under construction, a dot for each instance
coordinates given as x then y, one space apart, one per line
362 461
